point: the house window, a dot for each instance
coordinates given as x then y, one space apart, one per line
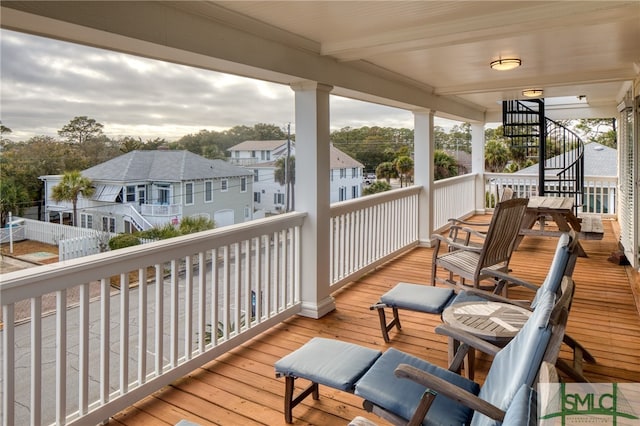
253 154
208 191
256 197
131 194
236 154
86 220
188 193
246 212
142 194
243 184
354 172
278 198
224 185
343 173
109 224
342 193
268 155
164 193
354 191
256 175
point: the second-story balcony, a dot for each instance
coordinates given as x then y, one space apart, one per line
211 312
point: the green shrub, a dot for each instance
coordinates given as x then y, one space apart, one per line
375 187
123 240
162 233
189 225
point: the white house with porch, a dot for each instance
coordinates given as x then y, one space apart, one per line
142 189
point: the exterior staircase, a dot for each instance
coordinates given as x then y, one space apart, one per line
558 151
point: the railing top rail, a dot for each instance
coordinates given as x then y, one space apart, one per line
449 181
33 282
349 206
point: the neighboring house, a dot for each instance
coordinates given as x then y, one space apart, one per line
269 197
141 189
599 161
252 152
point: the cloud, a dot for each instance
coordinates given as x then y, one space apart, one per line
46 83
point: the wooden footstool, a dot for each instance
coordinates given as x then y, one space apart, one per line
328 362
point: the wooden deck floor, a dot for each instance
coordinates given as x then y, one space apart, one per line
240 388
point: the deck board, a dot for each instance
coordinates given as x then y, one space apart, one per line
240 388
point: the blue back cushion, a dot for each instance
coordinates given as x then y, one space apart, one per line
556 271
518 363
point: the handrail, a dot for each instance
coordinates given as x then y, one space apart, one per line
195 297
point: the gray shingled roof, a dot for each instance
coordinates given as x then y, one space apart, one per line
599 160
168 166
257 145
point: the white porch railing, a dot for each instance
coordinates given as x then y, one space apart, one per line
161 209
368 231
180 303
600 192
453 197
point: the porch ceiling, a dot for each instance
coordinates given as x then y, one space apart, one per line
432 54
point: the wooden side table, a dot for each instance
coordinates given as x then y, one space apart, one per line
494 322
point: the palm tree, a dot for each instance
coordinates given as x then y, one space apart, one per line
404 167
287 176
72 185
445 165
496 155
386 171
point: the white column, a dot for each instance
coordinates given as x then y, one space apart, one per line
312 195
423 171
477 164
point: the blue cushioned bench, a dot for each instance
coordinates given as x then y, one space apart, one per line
327 362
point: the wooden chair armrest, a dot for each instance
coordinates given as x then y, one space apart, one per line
475 232
453 244
449 390
455 222
468 338
509 279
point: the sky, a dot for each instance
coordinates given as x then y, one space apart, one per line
45 83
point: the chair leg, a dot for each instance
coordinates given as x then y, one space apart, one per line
384 327
290 402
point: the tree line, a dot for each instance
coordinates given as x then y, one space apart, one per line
385 151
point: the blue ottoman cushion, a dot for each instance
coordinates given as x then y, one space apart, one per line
401 396
418 297
328 362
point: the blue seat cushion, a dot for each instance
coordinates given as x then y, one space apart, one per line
380 386
328 362
418 297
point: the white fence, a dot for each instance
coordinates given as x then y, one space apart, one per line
367 231
14 233
73 248
53 233
196 297
453 197
600 192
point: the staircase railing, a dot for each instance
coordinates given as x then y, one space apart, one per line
560 158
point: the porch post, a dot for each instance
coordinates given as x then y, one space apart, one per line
423 172
312 195
477 164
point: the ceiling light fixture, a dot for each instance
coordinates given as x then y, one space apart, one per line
532 93
505 64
